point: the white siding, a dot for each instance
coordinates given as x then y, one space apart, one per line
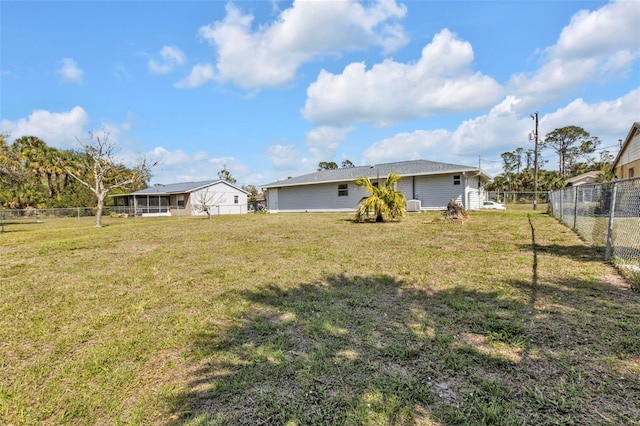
634 147
473 193
220 198
632 151
474 200
315 198
406 186
272 200
435 191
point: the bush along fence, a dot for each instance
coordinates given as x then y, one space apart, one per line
607 216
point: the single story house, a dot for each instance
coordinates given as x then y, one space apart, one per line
627 163
259 203
583 179
427 185
209 197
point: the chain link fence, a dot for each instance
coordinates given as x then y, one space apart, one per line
516 197
12 217
607 216
85 216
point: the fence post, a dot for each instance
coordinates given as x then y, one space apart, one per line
575 207
607 250
2 219
561 204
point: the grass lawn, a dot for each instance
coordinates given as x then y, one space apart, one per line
302 319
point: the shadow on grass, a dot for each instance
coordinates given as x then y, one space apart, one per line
578 252
4 227
375 350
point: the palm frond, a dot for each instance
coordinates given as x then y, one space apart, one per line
385 202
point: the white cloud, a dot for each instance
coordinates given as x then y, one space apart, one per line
120 72
288 160
499 130
69 71
505 129
284 156
8 73
171 57
200 74
57 129
600 33
488 135
181 166
166 158
420 144
323 141
594 45
441 81
484 137
596 118
270 55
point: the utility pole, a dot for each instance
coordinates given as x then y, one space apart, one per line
535 161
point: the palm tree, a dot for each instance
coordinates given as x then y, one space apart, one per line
384 203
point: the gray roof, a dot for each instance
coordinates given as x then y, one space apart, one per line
180 188
403 168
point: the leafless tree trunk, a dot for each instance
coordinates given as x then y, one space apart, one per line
101 172
206 200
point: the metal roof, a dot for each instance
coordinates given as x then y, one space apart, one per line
180 188
175 188
403 168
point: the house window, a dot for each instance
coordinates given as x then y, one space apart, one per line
235 199
343 190
632 172
456 179
181 201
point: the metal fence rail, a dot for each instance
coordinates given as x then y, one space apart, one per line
516 197
606 215
85 215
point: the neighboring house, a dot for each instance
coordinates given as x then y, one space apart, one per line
585 194
427 185
259 204
627 163
585 178
214 197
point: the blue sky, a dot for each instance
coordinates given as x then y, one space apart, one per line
268 89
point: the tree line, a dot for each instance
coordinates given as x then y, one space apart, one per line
575 149
35 175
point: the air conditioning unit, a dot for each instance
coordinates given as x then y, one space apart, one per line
414 205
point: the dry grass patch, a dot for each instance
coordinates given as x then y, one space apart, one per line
314 319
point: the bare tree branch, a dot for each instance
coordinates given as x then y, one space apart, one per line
102 173
206 200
